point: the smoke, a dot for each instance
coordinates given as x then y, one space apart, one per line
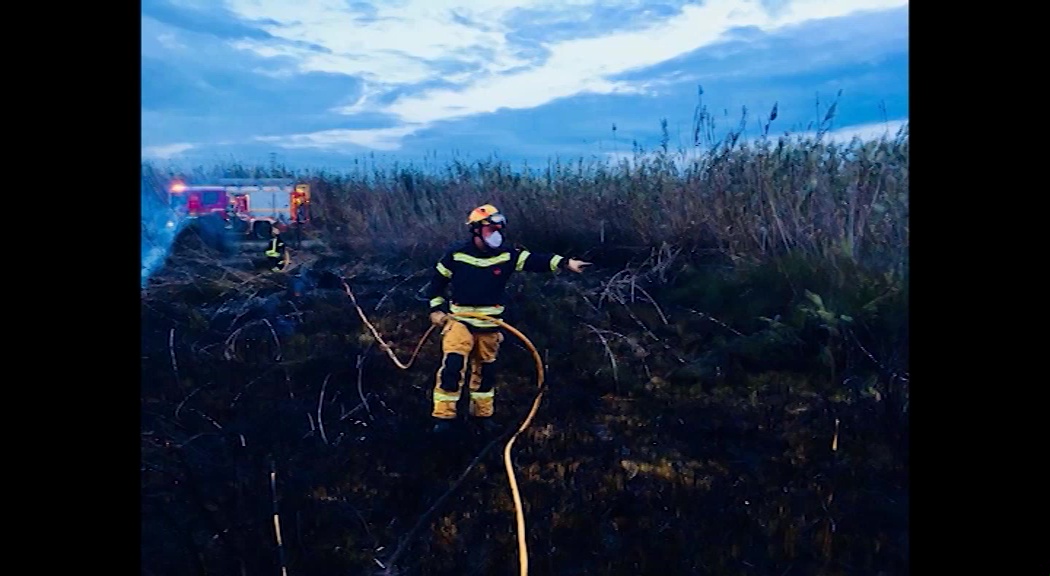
160 225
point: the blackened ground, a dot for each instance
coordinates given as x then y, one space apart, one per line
707 450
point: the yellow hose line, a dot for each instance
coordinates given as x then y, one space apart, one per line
382 344
523 553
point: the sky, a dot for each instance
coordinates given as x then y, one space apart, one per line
322 83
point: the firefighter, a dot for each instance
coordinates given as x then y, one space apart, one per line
276 251
476 271
230 213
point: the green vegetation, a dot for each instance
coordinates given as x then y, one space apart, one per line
728 384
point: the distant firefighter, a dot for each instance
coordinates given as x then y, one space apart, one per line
276 252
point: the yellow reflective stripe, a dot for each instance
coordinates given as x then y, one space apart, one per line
486 310
479 395
478 323
481 262
437 301
443 270
554 262
494 311
446 396
520 264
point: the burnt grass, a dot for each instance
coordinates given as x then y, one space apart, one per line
702 416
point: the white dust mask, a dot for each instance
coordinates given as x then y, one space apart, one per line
494 240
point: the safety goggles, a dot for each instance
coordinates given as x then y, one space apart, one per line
495 220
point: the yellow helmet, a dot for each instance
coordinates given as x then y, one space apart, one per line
485 215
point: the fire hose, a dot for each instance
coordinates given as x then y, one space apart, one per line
523 555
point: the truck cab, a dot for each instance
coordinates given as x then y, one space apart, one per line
197 201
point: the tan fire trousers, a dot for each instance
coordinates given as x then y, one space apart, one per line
458 344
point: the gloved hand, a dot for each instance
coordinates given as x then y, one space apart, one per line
577 266
438 318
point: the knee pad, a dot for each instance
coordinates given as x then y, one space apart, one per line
488 372
451 371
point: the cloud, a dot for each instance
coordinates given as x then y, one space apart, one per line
198 88
525 77
166 151
856 39
497 67
392 45
585 65
867 132
376 139
205 17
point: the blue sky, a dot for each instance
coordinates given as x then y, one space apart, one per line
320 83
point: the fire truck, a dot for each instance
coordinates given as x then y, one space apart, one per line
249 207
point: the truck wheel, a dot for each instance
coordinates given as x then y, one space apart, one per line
262 230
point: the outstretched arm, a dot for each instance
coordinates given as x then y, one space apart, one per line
525 261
